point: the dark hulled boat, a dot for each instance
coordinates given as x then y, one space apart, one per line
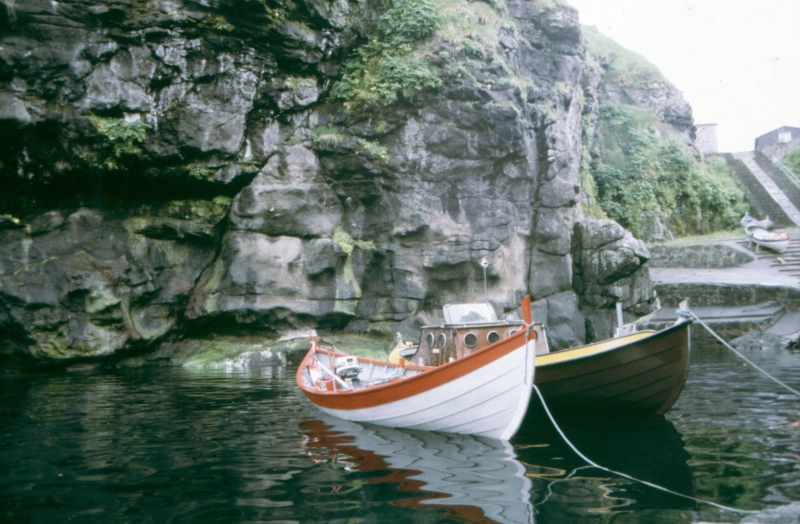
642 372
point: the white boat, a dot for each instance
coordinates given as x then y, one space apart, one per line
759 234
746 220
485 392
473 479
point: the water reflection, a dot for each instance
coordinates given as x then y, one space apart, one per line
229 446
474 479
649 448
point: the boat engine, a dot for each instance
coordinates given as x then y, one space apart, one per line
347 367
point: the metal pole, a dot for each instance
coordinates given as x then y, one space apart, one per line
484 265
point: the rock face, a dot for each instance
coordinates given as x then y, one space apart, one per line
178 168
609 268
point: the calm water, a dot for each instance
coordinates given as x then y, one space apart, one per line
171 445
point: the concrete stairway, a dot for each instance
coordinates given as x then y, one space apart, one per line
761 202
787 182
781 210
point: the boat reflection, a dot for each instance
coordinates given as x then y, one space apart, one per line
646 447
474 479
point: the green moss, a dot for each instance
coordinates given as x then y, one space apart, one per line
376 150
211 211
348 243
327 135
200 172
591 208
123 137
220 24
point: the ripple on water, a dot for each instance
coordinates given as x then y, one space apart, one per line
170 445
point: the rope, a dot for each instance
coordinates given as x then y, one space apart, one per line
742 356
655 486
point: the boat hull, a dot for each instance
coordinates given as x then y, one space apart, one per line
485 393
639 373
764 238
779 246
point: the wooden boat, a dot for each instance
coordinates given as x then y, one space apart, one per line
472 375
641 372
758 234
430 468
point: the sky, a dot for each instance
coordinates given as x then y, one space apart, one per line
736 61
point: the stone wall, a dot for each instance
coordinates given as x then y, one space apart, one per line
712 256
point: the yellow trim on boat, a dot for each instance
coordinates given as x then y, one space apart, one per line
591 349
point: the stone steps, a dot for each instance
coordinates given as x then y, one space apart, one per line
762 203
788 210
789 186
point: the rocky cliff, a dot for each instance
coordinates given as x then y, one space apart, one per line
184 168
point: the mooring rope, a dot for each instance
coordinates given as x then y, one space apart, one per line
742 356
655 486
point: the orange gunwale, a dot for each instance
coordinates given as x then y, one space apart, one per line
398 389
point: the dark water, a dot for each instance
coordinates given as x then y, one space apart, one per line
172 445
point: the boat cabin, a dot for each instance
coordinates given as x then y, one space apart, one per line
468 328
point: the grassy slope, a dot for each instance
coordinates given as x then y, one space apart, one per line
625 67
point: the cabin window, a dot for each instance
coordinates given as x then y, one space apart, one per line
441 340
470 340
429 340
492 337
512 332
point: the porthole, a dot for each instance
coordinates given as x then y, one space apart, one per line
441 340
492 337
470 340
512 332
429 340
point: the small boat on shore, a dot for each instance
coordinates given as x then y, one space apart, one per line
761 236
471 375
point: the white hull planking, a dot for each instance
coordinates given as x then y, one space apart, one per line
490 401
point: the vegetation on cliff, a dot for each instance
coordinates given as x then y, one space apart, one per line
388 63
647 180
398 59
638 165
121 137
